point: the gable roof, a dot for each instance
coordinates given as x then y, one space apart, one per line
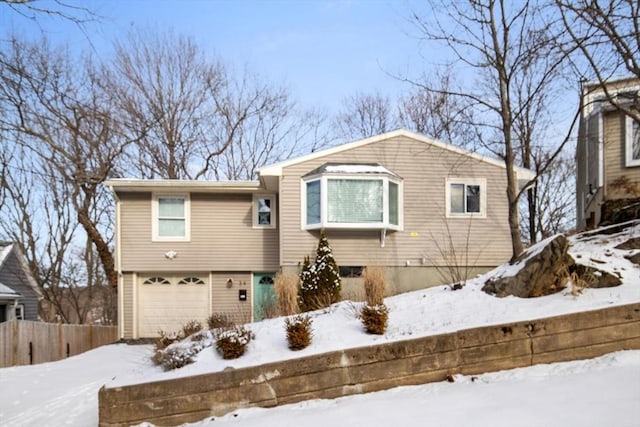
5 249
276 168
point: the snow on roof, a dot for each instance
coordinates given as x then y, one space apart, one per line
354 168
7 292
351 168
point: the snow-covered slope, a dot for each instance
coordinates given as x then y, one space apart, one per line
603 391
428 312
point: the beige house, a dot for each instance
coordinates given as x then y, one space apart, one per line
425 210
608 155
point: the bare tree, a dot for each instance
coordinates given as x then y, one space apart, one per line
554 199
605 35
364 115
438 114
277 133
497 40
32 9
33 187
56 111
194 117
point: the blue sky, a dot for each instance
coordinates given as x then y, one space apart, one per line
322 50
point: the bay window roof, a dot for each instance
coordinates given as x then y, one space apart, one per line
351 169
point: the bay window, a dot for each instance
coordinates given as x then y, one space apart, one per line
362 200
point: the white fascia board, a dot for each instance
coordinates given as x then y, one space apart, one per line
127 184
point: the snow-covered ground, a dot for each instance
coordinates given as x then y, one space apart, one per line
603 391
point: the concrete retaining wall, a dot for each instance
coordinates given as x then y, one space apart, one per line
360 370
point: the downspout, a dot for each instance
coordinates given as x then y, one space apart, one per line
119 266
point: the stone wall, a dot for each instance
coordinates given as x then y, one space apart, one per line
360 370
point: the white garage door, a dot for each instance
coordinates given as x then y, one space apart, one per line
166 303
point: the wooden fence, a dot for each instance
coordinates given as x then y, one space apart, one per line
24 342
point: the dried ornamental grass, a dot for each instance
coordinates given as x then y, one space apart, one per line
286 288
299 332
374 284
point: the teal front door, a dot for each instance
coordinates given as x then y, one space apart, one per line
264 297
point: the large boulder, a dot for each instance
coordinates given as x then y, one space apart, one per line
541 270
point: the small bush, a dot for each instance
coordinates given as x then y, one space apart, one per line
286 288
191 327
232 342
374 285
165 339
174 358
219 320
299 332
375 318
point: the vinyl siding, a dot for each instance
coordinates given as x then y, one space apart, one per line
225 300
222 236
127 309
13 275
424 169
614 134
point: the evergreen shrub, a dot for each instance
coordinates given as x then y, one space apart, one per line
320 282
299 331
375 318
232 342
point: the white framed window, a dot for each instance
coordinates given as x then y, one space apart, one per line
466 197
20 312
171 217
351 201
264 211
632 142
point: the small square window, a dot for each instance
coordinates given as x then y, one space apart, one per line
171 218
466 197
264 211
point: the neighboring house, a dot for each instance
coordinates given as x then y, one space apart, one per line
19 293
608 155
186 249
